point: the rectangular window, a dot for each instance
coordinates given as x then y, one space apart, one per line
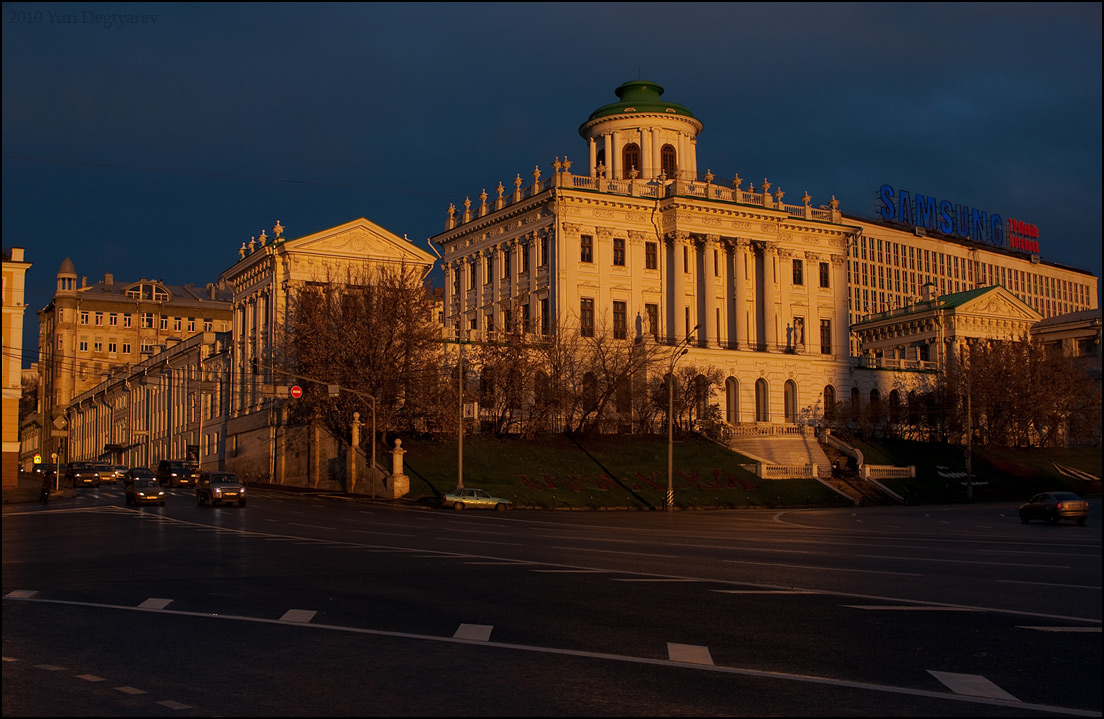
84 318
112 347
191 324
126 348
147 320
716 265
177 323
544 252
687 314
619 251
525 257
545 327
526 321
826 337
586 248
208 325
651 256
798 272
472 267
83 345
126 320
620 321
586 317
113 319
97 346
147 349
99 319
685 258
164 323
488 275
506 257
824 274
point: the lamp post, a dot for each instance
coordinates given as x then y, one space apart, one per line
680 350
460 415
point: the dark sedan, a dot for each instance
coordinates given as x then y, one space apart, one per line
145 491
1053 507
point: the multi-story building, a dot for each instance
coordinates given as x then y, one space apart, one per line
87 330
644 243
14 275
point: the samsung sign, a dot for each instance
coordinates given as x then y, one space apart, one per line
952 219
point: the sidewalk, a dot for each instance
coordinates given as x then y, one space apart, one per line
29 489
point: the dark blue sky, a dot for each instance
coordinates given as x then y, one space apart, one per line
155 149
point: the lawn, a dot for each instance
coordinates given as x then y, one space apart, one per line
610 472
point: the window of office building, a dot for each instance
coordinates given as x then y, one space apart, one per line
619 251
651 256
826 337
824 274
798 272
586 248
620 321
586 317
652 311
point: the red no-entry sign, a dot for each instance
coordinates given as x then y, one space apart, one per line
296 391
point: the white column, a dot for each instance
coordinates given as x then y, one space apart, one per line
740 285
593 147
615 161
647 160
842 330
770 295
609 153
657 157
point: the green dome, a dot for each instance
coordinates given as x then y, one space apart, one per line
639 96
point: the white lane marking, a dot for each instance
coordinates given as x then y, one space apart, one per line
959 561
130 690
91 678
310 526
392 534
1091 630
763 591
474 632
650 579
827 569
499 564
689 654
50 667
572 571
170 704
476 541
972 685
299 616
734 671
610 551
10 659
21 594
907 608
1048 584
152 603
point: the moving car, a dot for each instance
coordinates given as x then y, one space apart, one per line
145 490
82 473
1055 506
134 474
177 472
216 487
106 472
475 498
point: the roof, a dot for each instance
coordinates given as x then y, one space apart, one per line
1070 318
639 96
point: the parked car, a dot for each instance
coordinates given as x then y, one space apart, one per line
1055 506
474 498
177 472
217 487
82 474
145 490
106 472
135 474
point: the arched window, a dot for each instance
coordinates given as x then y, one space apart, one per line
668 160
486 386
762 401
789 396
856 399
732 401
894 405
875 402
600 160
701 395
829 401
630 159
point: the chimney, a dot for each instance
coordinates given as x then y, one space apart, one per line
17 254
109 279
84 281
927 291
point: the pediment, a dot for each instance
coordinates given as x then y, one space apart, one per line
361 240
999 303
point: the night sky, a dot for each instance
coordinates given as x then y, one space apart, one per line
151 140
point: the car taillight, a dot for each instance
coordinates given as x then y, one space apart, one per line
1061 505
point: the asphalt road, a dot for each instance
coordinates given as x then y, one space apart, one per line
310 606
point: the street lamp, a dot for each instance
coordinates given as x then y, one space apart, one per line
460 416
680 350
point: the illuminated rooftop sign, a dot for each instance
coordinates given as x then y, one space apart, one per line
968 223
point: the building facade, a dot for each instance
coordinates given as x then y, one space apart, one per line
14 281
642 243
89 330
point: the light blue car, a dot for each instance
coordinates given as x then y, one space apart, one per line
474 498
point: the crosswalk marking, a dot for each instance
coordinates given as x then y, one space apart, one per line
689 654
972 685
1089 630
300 616
152 603
475 632
908 608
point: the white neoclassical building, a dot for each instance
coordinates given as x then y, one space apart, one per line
639 244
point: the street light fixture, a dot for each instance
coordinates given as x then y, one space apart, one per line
680 350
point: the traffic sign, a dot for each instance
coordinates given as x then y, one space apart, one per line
296 391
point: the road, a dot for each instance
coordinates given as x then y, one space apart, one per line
312 606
